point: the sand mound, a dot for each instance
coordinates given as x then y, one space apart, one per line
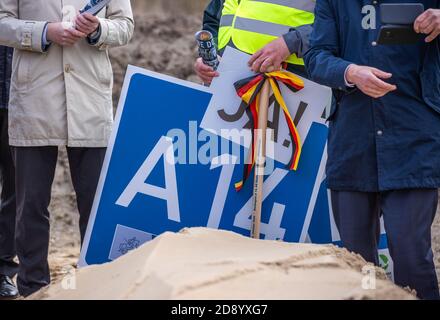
209 264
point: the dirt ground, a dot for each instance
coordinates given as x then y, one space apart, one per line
162 44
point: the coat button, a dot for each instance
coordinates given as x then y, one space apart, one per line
67 68
380 133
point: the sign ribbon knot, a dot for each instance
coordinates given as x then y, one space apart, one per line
249 90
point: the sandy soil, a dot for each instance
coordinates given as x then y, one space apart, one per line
222 265
149 49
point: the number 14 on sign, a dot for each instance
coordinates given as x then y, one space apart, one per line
164 151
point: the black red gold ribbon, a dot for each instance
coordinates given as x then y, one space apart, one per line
249 90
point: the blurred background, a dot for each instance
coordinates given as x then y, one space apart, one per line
169 6
163 39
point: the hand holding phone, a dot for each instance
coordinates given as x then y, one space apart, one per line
86 23
428 23
398 23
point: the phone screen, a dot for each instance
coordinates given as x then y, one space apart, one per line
400 13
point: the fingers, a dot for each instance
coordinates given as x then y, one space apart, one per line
86 23
266 65
201 67
368 80
71 36
271 69
270 57
381 74
382 85
255 57
75 34
82 19
374 92
205 73
208 74
68 41
428 23
377 88
256 66
207 78
421 20
91 18
427 26
433 36
81 26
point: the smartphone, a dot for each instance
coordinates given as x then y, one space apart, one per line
400 13
397 34
95 6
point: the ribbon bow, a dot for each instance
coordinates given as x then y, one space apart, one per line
249 91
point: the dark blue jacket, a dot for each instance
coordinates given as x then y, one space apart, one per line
5 75
377 144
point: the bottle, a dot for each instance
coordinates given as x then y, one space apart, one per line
207 50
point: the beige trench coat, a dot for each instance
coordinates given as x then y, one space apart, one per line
62 96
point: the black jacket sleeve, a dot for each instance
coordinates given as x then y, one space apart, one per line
298 40
212 16
5 75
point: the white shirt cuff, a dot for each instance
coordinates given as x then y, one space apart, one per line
348 84
46 43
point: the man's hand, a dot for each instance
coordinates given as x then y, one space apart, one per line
86 23
368 80
270 57
65 37
206 73
428 23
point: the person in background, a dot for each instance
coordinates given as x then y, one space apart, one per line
8 267
384 137
272 36
61 95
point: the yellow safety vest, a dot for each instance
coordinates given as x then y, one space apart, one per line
252 24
